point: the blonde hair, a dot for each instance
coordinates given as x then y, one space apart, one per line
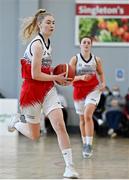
29 26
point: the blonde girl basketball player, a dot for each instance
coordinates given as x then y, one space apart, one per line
38 91
88 84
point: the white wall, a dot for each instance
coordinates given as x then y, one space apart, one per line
26 8
8 47
11 49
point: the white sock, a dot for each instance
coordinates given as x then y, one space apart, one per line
89 140
67 155
23 128
83 140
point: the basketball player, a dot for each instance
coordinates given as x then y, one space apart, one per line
38 91
88 84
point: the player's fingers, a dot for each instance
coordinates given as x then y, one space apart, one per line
62 74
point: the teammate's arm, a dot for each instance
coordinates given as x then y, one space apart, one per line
100 72
73 63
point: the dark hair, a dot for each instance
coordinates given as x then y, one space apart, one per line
89 37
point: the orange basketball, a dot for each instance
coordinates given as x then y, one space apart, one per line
61 68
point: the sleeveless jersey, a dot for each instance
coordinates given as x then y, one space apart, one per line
33 91
83 88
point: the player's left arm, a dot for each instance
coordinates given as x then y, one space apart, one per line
100 73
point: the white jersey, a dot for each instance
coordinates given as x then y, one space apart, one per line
83 88
46 56
85 67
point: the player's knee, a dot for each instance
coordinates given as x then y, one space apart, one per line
88 117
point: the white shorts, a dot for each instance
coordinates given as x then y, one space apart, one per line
91 98
33 113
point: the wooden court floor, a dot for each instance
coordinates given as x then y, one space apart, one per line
20 158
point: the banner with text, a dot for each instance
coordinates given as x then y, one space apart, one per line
107 23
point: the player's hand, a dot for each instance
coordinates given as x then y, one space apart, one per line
60 78
102 87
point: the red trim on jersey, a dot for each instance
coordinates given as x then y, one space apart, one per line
33 91
83 88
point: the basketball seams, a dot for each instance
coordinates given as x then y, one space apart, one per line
67 70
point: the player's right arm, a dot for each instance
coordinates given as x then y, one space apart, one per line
36 66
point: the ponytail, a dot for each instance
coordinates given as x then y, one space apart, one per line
30 27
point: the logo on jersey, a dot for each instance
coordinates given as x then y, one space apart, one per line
46 62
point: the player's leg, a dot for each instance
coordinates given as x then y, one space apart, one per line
89 127
82 128
57 121
52 109
31 126
91 102
79 107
